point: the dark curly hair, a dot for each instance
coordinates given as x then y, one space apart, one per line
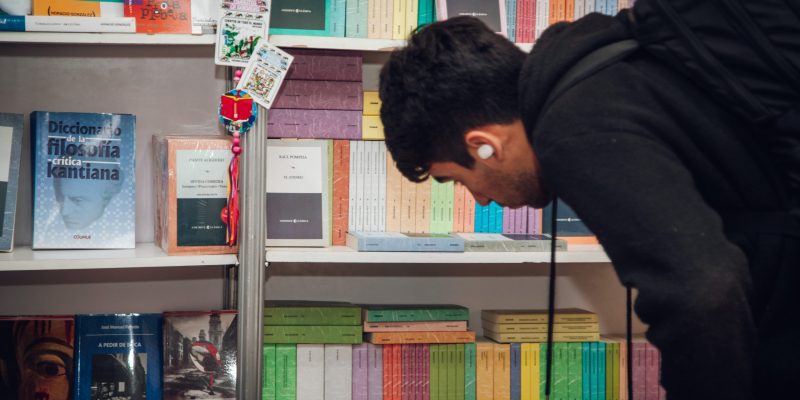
453 76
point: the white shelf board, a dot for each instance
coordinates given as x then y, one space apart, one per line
143 256
341 254
335 43
107 38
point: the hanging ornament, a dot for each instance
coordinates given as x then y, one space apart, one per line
237 112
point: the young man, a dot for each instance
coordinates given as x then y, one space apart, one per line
674 183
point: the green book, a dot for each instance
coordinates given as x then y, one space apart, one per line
560 365
616 371
268 388
452 366
443 372
286 372
470 360
316 18
575 371
289 312
415 312
300 334
433 386
609 371
460 379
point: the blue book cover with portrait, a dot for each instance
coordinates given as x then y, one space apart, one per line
84 189
118 356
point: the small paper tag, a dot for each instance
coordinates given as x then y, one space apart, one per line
265 73
242 26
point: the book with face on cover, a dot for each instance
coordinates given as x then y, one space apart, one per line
84 180
10 152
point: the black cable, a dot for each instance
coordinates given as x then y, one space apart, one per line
551 299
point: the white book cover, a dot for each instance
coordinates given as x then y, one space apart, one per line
369 186
588 6
310 371
242 25
120 24
382 187
387 19
10 153
376 186
352 187
338 371
359 208
492 13
542 17
297 193
580 9
374 19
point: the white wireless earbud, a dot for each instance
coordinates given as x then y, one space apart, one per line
485 151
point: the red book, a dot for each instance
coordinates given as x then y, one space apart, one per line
388 366
341 191
160 16
397 372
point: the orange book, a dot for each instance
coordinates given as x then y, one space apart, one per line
484 370
422 222
469 211
394 196
416 326
553 12
171 16
408 214
420 337
570 10
77 8
397 372
387 372
341 191
571 240
502 371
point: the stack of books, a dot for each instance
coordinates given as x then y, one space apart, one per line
530 326
311 322
416 323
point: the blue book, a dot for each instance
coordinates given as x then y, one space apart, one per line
600 6
394 241
12 23
84 186
339 17
612 6
516 356
601 370
486 221
118 356
478 218
586 383
511 22
304 17
470 369
425 15
497 217
356 18
569 224
10 152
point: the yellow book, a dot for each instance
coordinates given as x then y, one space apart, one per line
399 28
372 103
539 328
541 337
371 127
423 206
484 370
408 213
565 315
502 371
526 352
78 8
412 13
536 370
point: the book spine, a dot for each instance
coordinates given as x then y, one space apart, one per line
586 373
314 124
338 11
484 373
601 370
526 366
539 328
361 185
615 388
486 218
498 217
369 186
459 372
448 199
312 315
286 372
418 326
515 371
397 368
425 16
469 211
569 10
470 368
269 373
412 16
374 19
651 372
312 334
310 371
416 314
639 371
511 19
444 373
371 128
375 375
353 187
383 154
435 207
506 220
536 370
341 195
420 337
542 337
360 372
502 371
409 218
338 372
427 370
575 371
542 13
623 371
387 19
388 378
560 368
458 208
356 20
479 221
594 386
40 23
393 196
405 371
325 65
399 20
433 385
319 95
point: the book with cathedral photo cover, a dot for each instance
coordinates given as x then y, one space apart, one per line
36 357
84 189
200 355
10 152
117 356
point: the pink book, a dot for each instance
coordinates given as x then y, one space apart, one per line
325 65
397 372
506 220
458 208
360 372
532 20
469 212
522 220
320 95
314 124
375 385
652 373
639 371
416 326
520 23
388 372
426 372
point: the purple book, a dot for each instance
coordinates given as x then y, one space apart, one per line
522 220
375 375
325 65
314 124
360 372
639 371
320 95
651 373
506 220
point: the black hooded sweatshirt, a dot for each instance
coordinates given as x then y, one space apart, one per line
671 181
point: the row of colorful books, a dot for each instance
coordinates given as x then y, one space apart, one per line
527 19
473 371
174 355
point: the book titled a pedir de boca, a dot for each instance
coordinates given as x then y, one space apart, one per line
84 180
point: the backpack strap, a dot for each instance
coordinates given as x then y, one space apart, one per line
588 65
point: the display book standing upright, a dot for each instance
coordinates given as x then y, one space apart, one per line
10 152
84 180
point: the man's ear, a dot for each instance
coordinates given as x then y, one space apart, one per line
478 137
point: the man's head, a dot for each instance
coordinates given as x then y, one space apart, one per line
83 201
452 90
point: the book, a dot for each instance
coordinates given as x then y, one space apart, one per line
285 372
375 379
174 16
325 65
191 187
338 372
118 355
299 312
319 95
310 371
37 356
398 23
388 378
10 153
84 180
297 193
416 326
540 337
394 241
241 28
526 371
568 224
574 371
338 17
341 192
397 368
302 17
492 13
268 370
484 374
516 365
200 354
538 328
314 124
371 128
205 14
360 369
419 337
564 315
372 103
414 312
356 19
312 334
502 371
509 242
29 23
470 360
77 8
